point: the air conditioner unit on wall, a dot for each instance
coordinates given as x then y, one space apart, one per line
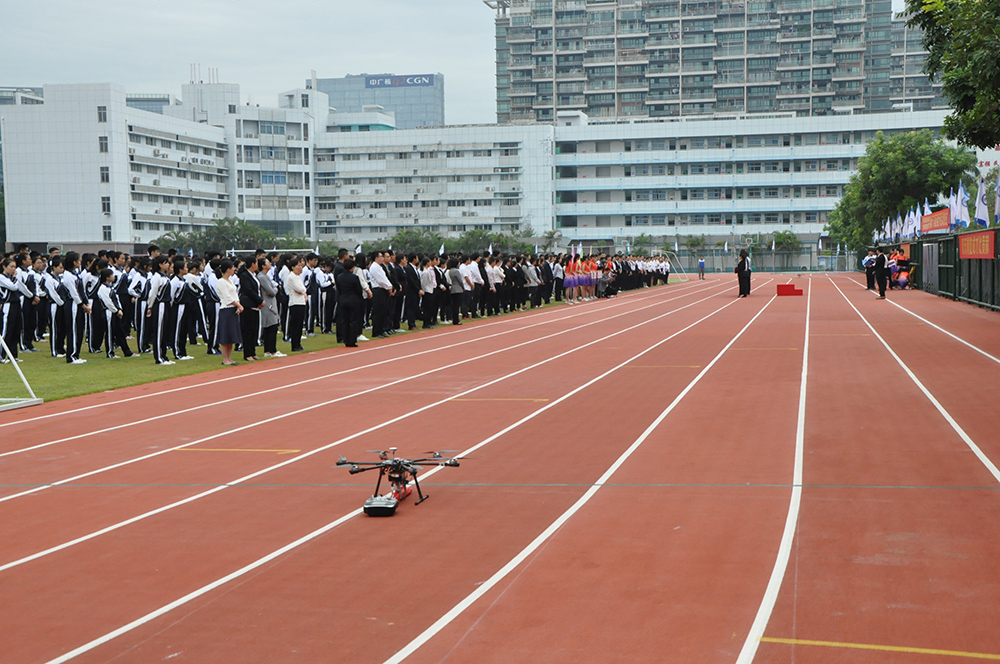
191 214
156 153
156 182
354 191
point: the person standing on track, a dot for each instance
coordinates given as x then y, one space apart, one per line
701 267
868 262
743 273
881 272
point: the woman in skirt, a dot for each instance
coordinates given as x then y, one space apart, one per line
229 309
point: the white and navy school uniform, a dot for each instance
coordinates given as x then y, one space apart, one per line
90 283
158 315
137 291
114 327
11 292
42 308
74 317
327 300
185 302
26 297
57 297
210 311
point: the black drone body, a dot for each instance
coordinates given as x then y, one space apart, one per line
399 473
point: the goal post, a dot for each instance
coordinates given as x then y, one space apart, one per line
9 402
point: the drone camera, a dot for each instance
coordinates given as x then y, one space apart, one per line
354 469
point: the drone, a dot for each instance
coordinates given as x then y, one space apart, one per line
400 472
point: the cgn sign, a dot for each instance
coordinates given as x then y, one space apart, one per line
977 245
410 81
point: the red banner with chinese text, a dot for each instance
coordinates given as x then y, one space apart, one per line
905 250
936 221
977 245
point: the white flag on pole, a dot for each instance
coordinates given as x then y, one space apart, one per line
357 250
963 206
772 244
676 248
982 211
821 244
490 250
726 248
440 251
952 210
927 208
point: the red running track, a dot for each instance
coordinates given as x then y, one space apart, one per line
627 496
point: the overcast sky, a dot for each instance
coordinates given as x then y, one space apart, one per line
264 46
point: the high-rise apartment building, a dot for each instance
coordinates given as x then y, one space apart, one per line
668 58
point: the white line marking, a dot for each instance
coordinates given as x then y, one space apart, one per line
749 649
460 608
316 533
246 478
930 397
353 395
937 327
326 376
626 299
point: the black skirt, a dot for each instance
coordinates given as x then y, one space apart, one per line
229 326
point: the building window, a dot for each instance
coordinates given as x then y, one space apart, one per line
106 204
273 177
105 174
272 127
232 108
102 143
106 233
102 113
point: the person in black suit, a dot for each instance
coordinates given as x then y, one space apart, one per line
412 292
881 272
394 270
252 302
547 278
350 302
743 273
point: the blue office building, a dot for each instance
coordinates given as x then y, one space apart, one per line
416 99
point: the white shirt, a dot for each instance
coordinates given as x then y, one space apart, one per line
228 295
379 278
296 289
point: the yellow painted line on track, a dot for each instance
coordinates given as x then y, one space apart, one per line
237 449
883 648
535 400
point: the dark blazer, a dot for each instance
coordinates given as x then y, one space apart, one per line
412 283
349 288
741 267
250 296
882 264
546 273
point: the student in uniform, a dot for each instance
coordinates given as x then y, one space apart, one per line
185 308
881 272
76 308
28 300
137 279
158 309
11 292
311 279
89 270
107 299
57 296
39 267
868 262
211 305
327 296
701 267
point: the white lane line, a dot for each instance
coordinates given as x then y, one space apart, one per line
749 649
460 608
927 393
247 478
243 397
324 529
937 327
353 395
625 300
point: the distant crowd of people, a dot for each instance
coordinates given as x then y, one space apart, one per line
886 270
162 304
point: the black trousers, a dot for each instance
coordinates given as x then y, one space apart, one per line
250 330
27 324
269 338
744 279
328 297
10 325
870 278
296 317
73 321
882 278
380 311
349 322
57 332
430 308
456 307
411 305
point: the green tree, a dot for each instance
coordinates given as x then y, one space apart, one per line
552 238
694 243
896 173
962 43
227 233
